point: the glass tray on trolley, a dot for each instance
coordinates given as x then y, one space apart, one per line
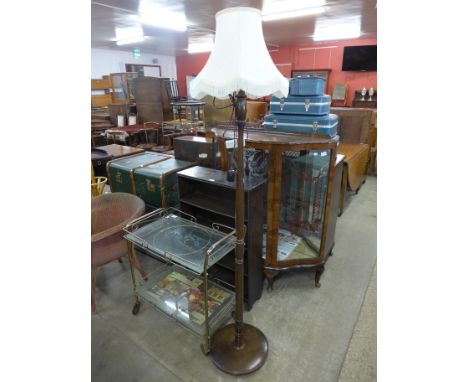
182 241
180 294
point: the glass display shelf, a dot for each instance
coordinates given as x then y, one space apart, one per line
292 246
182 241
180 294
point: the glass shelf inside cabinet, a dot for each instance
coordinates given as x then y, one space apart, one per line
180 294
183 241
302 209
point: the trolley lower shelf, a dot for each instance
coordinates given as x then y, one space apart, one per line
179 294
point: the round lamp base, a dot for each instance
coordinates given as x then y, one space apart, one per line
241 361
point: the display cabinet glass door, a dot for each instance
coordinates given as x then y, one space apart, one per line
302 207
300 177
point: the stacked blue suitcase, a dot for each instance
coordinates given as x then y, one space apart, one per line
306 109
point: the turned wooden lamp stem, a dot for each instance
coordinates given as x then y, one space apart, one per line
240 113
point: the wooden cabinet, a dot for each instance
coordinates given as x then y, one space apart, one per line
207 195
354 124
121 84
100 83
101 92
151 99
358 126
299 199
366 101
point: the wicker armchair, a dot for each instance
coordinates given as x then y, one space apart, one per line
109 214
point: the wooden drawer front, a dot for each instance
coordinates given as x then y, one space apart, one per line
101 100
100 84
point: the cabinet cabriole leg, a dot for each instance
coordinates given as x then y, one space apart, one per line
270 276
318 274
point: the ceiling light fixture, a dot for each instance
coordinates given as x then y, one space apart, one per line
285 9
338 30
131 40
162 17
128 32
129 35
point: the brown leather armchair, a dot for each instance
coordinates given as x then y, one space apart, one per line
109 214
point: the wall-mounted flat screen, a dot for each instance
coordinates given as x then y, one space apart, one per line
360 58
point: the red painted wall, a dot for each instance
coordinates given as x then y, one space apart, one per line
326 55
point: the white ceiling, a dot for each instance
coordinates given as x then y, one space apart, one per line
106 15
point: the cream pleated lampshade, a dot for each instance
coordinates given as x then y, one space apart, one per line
239 60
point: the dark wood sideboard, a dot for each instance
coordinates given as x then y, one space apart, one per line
367 102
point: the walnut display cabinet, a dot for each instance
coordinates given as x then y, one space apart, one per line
300 221
209 197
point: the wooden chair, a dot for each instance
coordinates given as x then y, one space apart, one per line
148 136
173 91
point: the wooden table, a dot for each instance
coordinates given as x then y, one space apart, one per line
118 151
100 158
355 168
132 131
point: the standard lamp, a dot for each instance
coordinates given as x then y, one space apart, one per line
239 67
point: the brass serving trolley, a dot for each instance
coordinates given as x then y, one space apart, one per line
190 249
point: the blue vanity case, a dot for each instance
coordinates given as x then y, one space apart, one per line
307 86
305 105
304 124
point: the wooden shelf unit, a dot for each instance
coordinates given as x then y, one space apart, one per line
209 197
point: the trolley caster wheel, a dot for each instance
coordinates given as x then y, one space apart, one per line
204 351
136 308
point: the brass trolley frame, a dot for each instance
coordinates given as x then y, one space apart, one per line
167 257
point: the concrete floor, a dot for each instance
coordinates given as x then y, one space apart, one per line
326 334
